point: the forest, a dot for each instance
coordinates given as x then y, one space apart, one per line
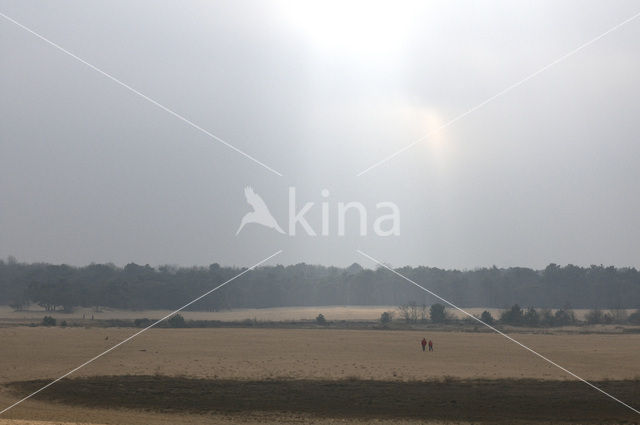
63 287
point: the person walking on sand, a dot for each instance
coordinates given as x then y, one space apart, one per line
424 343
430 346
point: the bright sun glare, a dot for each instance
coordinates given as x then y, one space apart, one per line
429 125
371 33
360 27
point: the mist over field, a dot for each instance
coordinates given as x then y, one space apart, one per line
319 92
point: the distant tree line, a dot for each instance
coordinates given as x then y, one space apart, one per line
63 287
518 316
514 316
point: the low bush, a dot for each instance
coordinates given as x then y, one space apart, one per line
177 321
386 317
48 321
487 318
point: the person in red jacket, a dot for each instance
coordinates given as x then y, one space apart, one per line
424 343
430 345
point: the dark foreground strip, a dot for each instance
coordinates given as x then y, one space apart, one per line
456 400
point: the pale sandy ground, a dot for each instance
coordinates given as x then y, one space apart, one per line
35 313
266 314
33 353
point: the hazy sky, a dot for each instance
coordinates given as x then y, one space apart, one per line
549 172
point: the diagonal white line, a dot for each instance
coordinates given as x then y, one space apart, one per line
499 94
139 332
497 331
147 98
